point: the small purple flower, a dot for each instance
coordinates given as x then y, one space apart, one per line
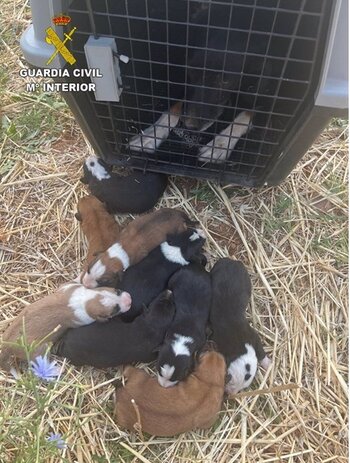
44 369
57 440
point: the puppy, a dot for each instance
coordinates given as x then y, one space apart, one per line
135 193
233 62
99 227
235 338
145 280
193 403
187 334
136 241
119 343
71 306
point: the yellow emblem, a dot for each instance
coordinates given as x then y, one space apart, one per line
53 39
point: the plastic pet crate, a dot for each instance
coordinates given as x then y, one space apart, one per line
291 77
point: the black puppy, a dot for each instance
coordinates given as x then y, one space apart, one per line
187 334
235 338
149 277
120 343
135 193
222 52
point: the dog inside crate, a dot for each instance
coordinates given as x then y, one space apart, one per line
212 85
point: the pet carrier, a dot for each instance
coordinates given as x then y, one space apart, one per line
229 90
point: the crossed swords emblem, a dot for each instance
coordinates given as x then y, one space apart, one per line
60 45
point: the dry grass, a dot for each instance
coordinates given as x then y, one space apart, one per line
293 238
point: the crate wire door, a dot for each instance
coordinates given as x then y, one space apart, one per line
276 82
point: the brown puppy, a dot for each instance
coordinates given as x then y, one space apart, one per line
99 227
192 403
71 306
136 241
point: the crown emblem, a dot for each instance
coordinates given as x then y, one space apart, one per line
61 20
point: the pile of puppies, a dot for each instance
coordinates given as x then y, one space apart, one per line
151 278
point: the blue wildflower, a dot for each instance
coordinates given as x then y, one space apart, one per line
57 440
44 369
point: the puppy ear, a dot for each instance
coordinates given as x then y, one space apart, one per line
78 216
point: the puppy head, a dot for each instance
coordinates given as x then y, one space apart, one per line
175 361
100 304
242 370
210 91
184 246
96 168
103 271
109 303
161 310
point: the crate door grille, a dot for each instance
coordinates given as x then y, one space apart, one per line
277 43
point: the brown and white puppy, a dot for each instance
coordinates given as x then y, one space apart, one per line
193 403
99 227
136 241
71 306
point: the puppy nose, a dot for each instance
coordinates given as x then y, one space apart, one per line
125 301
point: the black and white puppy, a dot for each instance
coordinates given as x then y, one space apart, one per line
149 277
135 193
187 334
234 337
120 343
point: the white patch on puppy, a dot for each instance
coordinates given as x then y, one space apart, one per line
96 168
116 251
242 371
110 300
150 138
179 345
219 149
199 233
77 302
96 271
173 253
195 236
166 373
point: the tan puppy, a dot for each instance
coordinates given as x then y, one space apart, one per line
99 227
192 403
136 241
71 306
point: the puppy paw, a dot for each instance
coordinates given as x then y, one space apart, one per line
144 142
150 138
219 149
266 362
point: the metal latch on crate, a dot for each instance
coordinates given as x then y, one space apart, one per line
102 54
